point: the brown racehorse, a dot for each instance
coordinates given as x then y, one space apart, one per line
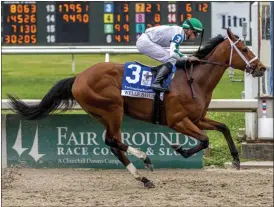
98 91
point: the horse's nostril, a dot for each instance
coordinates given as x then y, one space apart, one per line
262 69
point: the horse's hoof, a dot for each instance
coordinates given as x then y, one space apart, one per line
148 164
149 167
149 184
236 164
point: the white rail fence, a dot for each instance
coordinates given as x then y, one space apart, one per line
227 105
107 50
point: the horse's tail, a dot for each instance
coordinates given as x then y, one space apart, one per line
59 95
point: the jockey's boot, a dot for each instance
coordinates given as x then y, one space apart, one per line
161 75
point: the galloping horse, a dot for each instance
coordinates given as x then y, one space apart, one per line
98 91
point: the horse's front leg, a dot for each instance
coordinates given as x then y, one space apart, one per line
208 124
187 127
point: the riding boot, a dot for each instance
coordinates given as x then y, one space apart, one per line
162 74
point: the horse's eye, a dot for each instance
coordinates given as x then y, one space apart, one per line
245 49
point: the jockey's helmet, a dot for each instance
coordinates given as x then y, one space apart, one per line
193 24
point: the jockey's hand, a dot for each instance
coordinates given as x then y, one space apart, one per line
193 59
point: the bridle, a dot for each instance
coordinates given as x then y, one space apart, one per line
248 68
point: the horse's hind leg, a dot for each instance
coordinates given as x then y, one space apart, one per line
113 139
131 168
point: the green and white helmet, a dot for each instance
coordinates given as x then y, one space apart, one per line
194 24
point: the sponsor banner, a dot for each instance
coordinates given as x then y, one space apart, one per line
78 141
230 15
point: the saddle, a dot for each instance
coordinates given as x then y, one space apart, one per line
157 104
154 69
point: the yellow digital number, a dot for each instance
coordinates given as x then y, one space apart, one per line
85 18
26 18
126 27
32 18
78 8
19 8
33 8
108 18
126 38
7 39
26 8
140 7
66 17
12 8
125 8
72 7
188 15
203 7
117 38
157 18
158 7
117 27
14 27
20 18
33 38
148 8
188 7
72 17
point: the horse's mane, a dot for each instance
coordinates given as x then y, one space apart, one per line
204 51
209 46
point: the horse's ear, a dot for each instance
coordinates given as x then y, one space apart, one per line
230 34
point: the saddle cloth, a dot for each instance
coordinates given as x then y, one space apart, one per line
138 78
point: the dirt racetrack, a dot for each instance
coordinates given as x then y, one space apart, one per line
180 187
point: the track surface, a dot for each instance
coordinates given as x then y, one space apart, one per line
179 187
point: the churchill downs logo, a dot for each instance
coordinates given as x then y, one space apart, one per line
70 146
20 149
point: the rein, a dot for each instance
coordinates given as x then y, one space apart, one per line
248 68
214 63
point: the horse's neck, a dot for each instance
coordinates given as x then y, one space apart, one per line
208 76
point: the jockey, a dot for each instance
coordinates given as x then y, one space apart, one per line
153 41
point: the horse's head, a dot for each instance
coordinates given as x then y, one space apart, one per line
241 57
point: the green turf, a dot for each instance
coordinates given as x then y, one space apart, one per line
31 76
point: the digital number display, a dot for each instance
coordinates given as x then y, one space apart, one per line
116 22
188 10
72 22
92 22
21 21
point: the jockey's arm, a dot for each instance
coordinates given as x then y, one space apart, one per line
174 47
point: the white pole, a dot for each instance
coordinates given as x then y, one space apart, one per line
73 64
107 57
270 86
250 83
